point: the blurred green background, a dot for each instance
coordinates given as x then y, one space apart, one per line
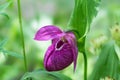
38 13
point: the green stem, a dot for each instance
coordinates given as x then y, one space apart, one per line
84 54
85 65
22 35
81 41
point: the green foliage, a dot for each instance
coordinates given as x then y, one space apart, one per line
78 19
83 14
14 54
2 43
3 7
6 52
44 75
4 14
107 64
92 9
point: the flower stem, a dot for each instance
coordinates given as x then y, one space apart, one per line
84 54
81 42
85 65
22 35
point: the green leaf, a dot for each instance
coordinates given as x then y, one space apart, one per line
107 64
44 75
4 14
2 43
14 54
78 19
4 6
83 13
92 11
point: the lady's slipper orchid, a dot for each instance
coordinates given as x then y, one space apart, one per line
63 50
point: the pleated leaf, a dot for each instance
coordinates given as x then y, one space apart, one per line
107 64
44 75
82 16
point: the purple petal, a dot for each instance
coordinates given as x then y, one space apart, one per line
72 41
48 32
48 53
59 59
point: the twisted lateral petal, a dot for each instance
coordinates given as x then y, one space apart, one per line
58 59
48 32
72 41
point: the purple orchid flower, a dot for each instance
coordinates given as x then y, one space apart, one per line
63 50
